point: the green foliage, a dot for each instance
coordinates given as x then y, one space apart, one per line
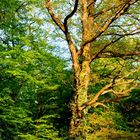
130 109
14 119
107 124
43 130
30 76
36 86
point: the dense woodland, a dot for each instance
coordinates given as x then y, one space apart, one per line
69 70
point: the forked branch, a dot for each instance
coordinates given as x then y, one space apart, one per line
89 103
108 89
107 45
64 29
120 12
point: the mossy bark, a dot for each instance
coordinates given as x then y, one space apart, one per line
82 75
82 78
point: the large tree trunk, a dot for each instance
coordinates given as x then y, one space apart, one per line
82 77
80 97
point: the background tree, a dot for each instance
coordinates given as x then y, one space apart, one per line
30 76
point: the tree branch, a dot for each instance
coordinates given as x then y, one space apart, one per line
126 34
101 51
117 99
89 103
106 10
120 12
70 15
64 28
106 89
122 55
57 21
99 104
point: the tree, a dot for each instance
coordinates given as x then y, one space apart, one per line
29 72
101 26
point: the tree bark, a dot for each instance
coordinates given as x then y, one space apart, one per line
82 76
